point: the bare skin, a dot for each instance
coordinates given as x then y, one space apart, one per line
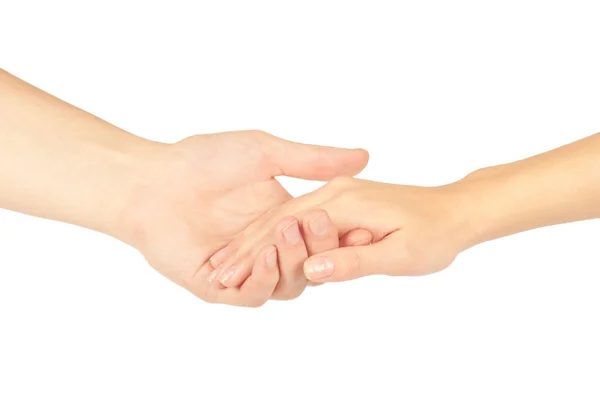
207 213
177 203
419 230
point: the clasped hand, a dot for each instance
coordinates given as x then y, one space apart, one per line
211 217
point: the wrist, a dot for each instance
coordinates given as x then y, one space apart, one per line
458 201
485 204
58 162
126 165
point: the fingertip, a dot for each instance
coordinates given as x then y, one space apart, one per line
361 159
345 162
357 237
214 277
318 268
270 257
287 232
364 154
220 256
317 222
265 274
285 223
236 275
267 264
312 214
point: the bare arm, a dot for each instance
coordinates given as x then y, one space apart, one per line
61 163
420 230
556 187
177 203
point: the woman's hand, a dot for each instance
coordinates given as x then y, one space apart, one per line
416 230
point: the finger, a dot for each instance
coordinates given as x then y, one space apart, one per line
385 257
292 254
265 276
213 278
217 262
259 287
234 275
313 162
356 237
219 257
198 284
320 234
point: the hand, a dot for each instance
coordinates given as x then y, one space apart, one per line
416 230
295 242
207 190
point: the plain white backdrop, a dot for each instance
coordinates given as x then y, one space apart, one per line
432 89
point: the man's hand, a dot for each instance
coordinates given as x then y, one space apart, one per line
178 204
207 190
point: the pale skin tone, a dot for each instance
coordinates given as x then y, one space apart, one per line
207 213
178 204
421 230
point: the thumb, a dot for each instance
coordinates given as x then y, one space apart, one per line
344 264
312 162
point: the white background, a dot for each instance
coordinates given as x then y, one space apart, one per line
432 89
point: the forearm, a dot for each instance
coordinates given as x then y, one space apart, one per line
556 187
61 163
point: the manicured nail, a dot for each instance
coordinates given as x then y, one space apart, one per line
271 259
319 224
318 268
292 233
227 275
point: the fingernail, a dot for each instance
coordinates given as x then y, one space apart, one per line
220 257
226 275
317 268
319 224
292 233
364 241
271 259
212 276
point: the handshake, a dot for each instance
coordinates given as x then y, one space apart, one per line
208 213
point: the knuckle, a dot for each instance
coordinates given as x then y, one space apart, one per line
259 134
311 216
341 183
356 265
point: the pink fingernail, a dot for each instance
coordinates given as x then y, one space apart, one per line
319 224
220 257
292 233
212 276
271 259
227 275
318 268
